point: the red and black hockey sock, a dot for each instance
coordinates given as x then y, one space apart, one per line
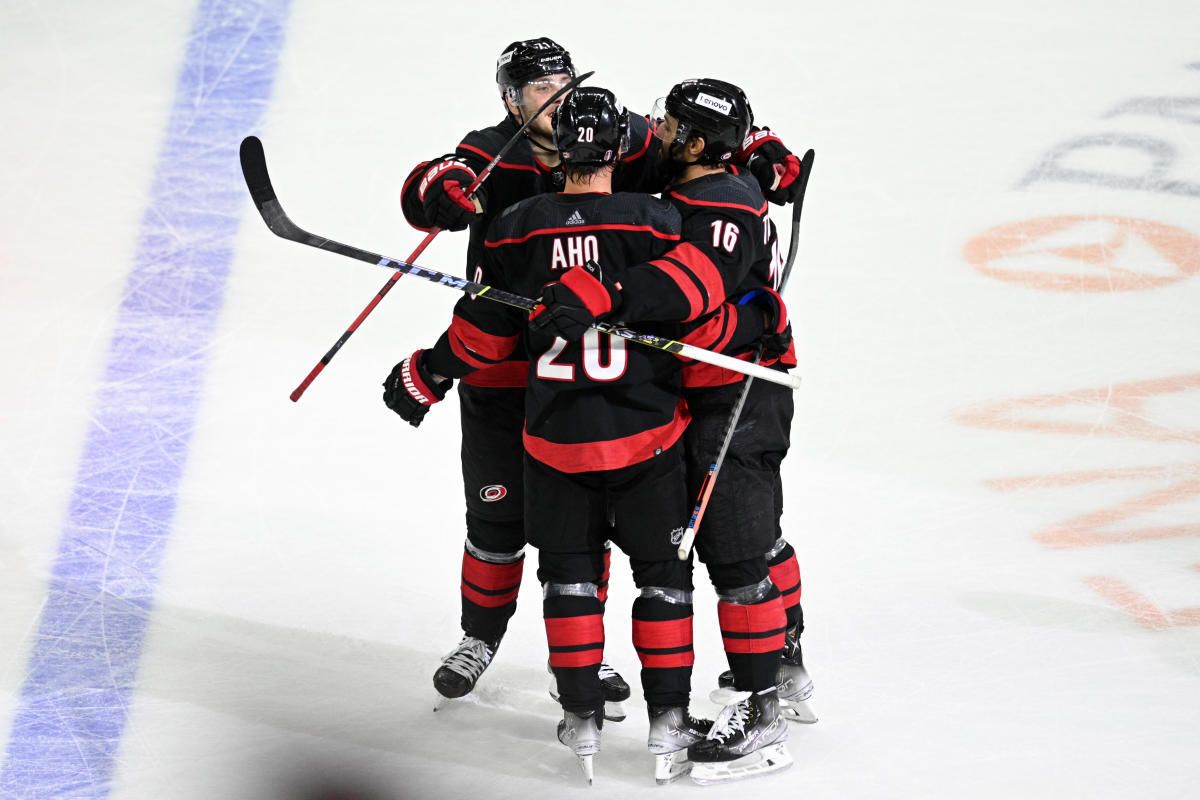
662 636
489 594
575 635
753 637
785 574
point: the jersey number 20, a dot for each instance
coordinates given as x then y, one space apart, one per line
597 370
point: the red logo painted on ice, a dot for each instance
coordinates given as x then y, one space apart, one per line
490 494
1086 253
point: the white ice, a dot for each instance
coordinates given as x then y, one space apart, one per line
994 488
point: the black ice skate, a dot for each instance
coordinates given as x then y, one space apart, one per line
462 667
672 731
748 738
581 733
792 681
615 689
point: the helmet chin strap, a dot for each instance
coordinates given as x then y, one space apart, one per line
520 118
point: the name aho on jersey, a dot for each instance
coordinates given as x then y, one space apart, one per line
574 251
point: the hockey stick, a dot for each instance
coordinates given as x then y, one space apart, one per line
299 390
254 168
710 477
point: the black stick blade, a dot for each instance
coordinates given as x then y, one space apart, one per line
254 170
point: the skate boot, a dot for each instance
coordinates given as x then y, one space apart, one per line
748 738
616 691
462 667
581 733
672 731
795 687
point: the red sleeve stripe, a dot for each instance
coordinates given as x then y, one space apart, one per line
687 287
476 347
714 334
704 272
693 202
644 147
671 237
486 156
505 375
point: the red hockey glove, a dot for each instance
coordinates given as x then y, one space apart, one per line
571 306
777 335
442 192
772 165
411 389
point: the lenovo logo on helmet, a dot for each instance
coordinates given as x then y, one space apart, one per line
708 101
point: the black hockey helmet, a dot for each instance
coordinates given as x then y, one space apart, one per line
591 127
527 60
715 110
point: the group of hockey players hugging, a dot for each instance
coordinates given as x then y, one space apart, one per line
572 439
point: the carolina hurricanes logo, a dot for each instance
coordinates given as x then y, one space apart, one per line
490 494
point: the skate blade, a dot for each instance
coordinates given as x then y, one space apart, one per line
797 711
588 768
669 767
614 710
771 758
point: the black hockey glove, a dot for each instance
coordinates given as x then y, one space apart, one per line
411 389
772 165
572 305
777 335
443 194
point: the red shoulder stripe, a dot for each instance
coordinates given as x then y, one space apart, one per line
693 202
671 237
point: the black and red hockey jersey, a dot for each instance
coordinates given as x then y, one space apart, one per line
728 246
600 403
518 176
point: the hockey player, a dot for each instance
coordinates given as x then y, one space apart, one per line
728 250
490 400
603 422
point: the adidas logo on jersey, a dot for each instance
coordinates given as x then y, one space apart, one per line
575 219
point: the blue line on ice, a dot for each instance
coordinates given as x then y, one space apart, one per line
73 707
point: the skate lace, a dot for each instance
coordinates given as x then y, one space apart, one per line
470 658
607 672
733 716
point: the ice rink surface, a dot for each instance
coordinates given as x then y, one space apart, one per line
994 489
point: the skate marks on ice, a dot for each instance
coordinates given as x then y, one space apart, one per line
286 685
